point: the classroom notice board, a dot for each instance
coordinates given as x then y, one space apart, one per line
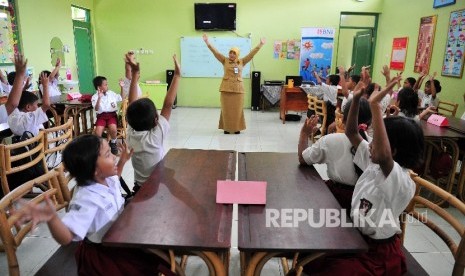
197 61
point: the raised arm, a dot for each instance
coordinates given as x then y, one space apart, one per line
351 127
221 58
419 81
432 86
55 70
387 74
17 89
45 96
318 79
307 130
254 51
127 67
172 91
342 73
135 74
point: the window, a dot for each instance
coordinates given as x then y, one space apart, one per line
79 14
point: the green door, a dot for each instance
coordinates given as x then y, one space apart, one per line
84 56
361 51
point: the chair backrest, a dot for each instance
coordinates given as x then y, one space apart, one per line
458 251
311 101
56 138
447 108
27 159
11 233
320 111
122 125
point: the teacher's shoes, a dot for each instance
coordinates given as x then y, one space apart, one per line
227 132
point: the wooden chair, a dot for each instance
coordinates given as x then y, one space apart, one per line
56 139
11 233
320 110
447 108
122 122
457 250
33 156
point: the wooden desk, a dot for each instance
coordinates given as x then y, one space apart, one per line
77 110
435 138
176 209
290 186
292 99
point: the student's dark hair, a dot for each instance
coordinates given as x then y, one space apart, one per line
11 77
364 114
80 158
98 80
142 115
334 79
27 98
370 89
355 78
411 81
437 85
408 102
406 140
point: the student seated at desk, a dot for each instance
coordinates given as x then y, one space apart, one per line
334 150
428 97
105 103
53 89
382 192
17 88
7 83
146 129
28 116
96 204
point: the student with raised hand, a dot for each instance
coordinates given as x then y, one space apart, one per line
96 204
15 94
429 96
53 90
232 87
28 116
147 130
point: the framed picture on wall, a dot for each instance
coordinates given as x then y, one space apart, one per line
442 3
398 53
455 45
425 43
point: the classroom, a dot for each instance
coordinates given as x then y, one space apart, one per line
91 39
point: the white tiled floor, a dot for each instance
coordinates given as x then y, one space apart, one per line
197 128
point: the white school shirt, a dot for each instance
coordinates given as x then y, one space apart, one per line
53 89
148 148
93 209
6 87
375 193
3 114
323 91
127 85
20 122
108 102
427 100
334 150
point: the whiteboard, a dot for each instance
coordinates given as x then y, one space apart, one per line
198 61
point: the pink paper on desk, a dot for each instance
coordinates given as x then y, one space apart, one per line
241 192
438 120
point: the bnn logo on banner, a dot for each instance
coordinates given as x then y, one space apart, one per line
316 52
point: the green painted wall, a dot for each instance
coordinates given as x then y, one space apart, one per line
158 25
402 18
39 22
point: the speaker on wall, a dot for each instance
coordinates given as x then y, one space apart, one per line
255 90
169 79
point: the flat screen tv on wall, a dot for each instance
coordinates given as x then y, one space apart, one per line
215 16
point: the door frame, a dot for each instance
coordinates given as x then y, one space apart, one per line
374 31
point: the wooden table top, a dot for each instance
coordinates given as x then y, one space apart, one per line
430 130
176 207
290 186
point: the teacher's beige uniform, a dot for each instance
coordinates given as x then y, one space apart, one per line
232 90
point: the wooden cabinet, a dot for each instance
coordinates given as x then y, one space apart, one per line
292 99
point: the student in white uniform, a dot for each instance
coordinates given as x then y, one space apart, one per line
428 97
15 95
105 103
96 204
147 130
334 150
126 82
29 116
53 90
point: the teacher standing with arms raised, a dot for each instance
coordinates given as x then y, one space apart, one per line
232 87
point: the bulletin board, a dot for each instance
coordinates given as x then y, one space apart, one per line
197 61
9 33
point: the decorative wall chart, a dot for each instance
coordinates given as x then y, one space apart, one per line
455 45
